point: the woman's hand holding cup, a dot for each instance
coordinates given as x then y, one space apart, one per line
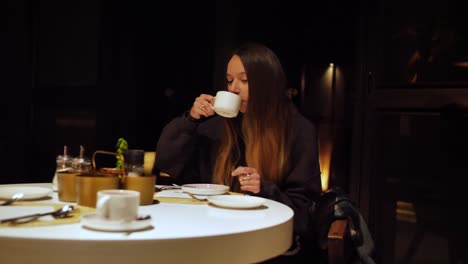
202 106
225 104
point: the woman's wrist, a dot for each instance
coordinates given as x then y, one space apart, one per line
190 117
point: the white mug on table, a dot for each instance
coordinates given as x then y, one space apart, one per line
118 204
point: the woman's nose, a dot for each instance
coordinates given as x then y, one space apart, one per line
234 87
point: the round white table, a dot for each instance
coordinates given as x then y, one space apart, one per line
180 233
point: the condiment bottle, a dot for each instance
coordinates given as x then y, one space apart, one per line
81 163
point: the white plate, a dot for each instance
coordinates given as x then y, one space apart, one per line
205 189
30 193
95 222
237 201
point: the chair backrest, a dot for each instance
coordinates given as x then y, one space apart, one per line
339 244
340 228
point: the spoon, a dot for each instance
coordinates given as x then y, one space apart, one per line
60 213
13 198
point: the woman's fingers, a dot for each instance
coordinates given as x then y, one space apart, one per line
248 178
202 106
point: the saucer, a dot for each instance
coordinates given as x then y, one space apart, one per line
95 222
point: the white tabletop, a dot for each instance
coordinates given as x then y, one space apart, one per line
180 233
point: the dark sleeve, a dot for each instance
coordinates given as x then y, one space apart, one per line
178 151
176 145
301 188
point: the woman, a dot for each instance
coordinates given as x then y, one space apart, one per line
268 150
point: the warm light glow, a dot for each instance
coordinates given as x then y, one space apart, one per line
325 162
327 125
462 64
327 78
150 156
405 212
328 83
325 154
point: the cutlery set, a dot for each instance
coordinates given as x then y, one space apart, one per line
67 209
199 192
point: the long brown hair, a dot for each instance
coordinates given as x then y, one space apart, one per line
264 125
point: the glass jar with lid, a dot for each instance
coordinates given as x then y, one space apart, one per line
134 162
81 163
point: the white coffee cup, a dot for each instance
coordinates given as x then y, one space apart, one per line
118 204
227 104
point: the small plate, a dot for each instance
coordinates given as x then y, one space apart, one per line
95 222
237 201
205 189
30 192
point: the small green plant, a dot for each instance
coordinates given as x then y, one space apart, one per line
121 146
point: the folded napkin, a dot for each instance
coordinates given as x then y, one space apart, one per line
73 217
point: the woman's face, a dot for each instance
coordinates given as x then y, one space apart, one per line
237 81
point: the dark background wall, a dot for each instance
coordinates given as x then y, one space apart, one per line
89 72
